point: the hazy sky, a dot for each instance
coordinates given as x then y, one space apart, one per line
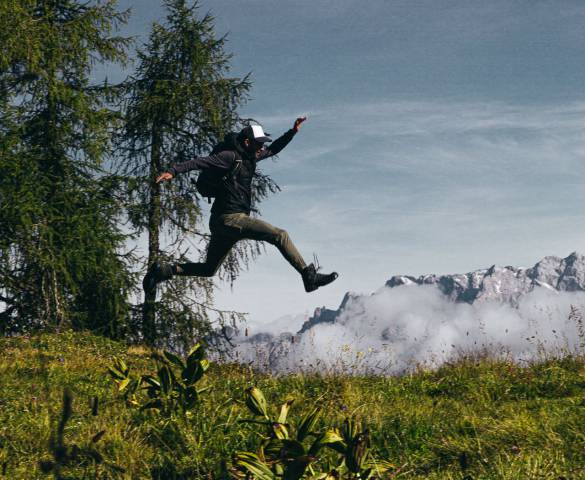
443 136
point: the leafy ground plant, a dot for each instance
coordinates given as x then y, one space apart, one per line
174 387
296 451
84 456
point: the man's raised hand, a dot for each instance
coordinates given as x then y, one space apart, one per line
164 176
298 123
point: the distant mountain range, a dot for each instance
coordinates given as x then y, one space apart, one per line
502 284
392 341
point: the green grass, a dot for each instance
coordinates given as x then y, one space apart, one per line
474 419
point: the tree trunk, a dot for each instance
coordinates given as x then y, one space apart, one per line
154 221
52 163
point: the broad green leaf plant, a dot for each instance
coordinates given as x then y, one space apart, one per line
294 450
173 388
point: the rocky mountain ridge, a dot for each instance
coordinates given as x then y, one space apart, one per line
502 284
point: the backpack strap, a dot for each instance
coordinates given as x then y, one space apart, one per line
236 165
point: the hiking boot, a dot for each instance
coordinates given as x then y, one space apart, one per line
156 273
312 279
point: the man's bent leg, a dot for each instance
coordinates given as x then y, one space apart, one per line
218 249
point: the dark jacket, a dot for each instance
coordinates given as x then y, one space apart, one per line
235 195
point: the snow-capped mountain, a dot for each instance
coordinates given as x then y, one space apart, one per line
502 284
409 321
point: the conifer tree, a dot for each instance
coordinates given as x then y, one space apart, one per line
181 102
61 247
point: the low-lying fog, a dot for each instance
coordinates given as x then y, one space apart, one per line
396 329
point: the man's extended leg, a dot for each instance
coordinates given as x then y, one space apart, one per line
256 229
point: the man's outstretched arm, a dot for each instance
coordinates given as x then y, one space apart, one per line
221 160
275 147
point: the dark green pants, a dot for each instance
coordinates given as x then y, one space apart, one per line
227 229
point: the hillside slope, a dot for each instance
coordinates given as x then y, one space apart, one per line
477 418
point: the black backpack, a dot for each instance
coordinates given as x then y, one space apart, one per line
210 180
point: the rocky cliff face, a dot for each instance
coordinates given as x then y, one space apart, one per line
326 315
501 284
506 284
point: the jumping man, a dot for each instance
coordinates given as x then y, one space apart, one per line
230 214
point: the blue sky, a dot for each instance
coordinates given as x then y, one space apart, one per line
443 136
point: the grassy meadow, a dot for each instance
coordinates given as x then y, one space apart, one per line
472 419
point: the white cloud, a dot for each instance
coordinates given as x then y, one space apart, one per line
401 328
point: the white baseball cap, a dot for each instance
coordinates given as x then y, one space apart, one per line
256 132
